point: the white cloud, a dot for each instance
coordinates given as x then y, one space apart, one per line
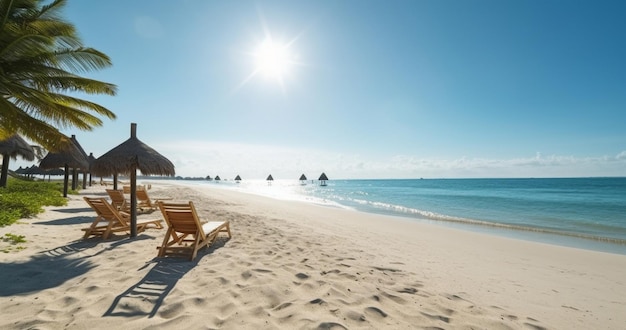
199 159
194 158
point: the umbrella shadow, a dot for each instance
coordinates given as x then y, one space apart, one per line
51 268
67 221
151 291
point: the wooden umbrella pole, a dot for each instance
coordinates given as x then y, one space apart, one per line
66 177
133 199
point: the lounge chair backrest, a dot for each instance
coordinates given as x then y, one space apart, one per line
117 198
126 188
104 209
143 198
182 218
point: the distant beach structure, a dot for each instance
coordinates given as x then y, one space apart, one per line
323 178
238 178
303 179
270 179
217 178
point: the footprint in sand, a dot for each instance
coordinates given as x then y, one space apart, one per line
302 276
330 326
317 301
375 311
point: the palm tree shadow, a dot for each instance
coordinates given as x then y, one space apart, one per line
146 296
51 268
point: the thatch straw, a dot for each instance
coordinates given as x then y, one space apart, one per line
16 146
130 155
69 155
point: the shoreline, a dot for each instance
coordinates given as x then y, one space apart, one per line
528 233
293 265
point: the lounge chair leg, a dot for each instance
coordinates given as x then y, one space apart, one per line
163 247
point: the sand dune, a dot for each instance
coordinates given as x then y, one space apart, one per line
291 265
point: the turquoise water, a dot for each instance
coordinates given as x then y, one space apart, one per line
580 212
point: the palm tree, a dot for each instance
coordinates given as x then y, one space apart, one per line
40 56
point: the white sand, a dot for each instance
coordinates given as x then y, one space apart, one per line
292 265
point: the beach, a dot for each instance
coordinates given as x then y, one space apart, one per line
297 265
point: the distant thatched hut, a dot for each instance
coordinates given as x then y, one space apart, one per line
323 178
69 156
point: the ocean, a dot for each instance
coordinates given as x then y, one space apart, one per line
588 213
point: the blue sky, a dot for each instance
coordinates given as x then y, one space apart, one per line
374 89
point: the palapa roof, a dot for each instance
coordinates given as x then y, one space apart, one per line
303 177
80 148
270 178
323 177
90 159
130 154
16 146
55 171
34 170
70 154
237 178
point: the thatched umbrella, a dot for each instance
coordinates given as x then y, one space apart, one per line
54 171
11 148
68 156
269 179
237 178
303 179
217 178
34 170
323 178
127 158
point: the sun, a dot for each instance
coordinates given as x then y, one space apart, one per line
273 60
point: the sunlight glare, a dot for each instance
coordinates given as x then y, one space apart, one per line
273 60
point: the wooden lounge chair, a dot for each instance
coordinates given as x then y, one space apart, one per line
145 203
126 188
185 232
110 220
118 200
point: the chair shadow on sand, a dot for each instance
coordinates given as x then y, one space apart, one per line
146 296
53 267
